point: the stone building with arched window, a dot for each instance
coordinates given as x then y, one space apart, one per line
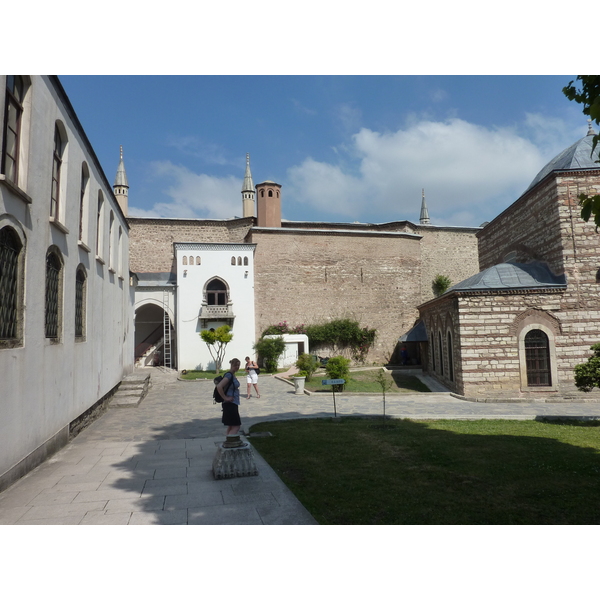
518 328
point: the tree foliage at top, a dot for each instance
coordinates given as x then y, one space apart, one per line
589 95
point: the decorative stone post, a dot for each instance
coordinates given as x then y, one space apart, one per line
234 458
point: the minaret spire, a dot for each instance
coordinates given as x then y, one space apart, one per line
248 191
121 186
424 220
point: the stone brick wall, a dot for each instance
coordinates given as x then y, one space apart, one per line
450 251
311 277
151 240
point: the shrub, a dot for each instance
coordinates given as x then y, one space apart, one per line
343 333
440 284
308 364
270 349
338 367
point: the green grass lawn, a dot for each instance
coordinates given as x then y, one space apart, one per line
363 382
362 471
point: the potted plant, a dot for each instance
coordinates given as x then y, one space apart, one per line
299 378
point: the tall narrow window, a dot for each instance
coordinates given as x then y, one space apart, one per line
10 246
111 241
80 303
53 271
450 357
56 168
99 228
441 352
433 365
537 356
84 182
15 89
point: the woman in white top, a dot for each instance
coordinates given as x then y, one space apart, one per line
252 377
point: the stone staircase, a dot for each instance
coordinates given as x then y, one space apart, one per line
132 391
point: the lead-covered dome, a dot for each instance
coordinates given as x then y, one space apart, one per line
577 156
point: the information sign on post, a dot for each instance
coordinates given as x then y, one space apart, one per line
333 382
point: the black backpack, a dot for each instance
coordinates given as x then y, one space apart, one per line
216 396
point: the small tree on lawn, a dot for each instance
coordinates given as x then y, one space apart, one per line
587 375
386 385
216 341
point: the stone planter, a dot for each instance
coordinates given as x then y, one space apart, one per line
299 385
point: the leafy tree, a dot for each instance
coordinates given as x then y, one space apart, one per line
587 375
216 341
589 96
270 349
440 284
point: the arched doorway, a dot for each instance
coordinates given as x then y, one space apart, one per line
149 336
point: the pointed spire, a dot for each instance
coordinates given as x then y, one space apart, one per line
121 178
424 220
248 185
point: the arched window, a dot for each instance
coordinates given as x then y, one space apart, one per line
537 357
57 159
433 366
270 193
441 352
198 261
80 301
10 247
111 241
15 92
216 293
233 260
245 261
184 260
239 261
85 176
191 260
99 224
53 295
450 357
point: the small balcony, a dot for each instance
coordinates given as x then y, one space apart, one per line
216 313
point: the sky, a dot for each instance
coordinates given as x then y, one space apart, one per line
344 148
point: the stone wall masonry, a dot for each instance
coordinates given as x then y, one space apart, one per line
151 240
312 277
450 252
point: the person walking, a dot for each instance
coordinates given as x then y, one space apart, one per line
251 377
229 389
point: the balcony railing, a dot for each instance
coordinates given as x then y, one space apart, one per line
216 313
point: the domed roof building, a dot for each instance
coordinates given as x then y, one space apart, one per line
516 330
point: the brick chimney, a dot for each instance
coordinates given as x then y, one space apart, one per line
268 196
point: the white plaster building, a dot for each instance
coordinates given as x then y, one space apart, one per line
66 328
215 286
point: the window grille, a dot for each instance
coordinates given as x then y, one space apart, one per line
53 267
79 303
10 247
537 357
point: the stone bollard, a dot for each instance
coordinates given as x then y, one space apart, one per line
234 458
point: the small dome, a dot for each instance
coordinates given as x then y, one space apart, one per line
511 276
577 156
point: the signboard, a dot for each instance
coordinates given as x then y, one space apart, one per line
333 381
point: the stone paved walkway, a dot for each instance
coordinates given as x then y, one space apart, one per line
152 464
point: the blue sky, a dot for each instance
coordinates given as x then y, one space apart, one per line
344 148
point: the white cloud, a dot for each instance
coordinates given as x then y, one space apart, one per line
194 195
464 169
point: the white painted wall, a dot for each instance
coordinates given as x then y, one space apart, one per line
45 385
193 353
292 345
